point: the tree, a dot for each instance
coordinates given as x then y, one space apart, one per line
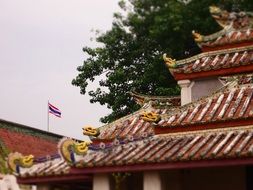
131 55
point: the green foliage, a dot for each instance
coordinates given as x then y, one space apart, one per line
131 55
3 155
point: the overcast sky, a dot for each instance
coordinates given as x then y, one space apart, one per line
40 47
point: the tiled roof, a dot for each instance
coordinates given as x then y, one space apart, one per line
141 99
132 126
233 102
221 60
238 20
204 145
241 79
48 168
27 140
226 37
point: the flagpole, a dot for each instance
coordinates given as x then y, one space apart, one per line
48 116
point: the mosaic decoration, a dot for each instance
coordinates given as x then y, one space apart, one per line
17 160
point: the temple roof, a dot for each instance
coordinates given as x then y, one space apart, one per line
51 167
15 137
237 20
215 63
141 99
232 102
227 37
236 32
135 125
179 147
34 141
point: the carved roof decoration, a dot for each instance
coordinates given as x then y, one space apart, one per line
142 99
223 62
130 126
237 30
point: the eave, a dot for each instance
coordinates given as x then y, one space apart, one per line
70 178
212 73
165 166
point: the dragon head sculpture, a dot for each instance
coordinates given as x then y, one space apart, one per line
17 160
91 131
171 63
68 147
197 37
150 117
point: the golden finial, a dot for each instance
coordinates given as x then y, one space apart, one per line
16 160
171 63
214 9
90 131
150 116
197 37
68 147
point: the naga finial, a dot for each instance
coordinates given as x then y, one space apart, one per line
197 37
150 116
171 63
68 148
90 131
214 9
17 160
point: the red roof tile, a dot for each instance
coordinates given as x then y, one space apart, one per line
133 125
227 37
217 61
48 168
203 145
26 140
234 102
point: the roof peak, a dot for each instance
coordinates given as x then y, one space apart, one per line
237 20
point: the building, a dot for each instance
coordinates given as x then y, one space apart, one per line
204 143
26 140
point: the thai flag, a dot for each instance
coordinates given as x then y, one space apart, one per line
54 110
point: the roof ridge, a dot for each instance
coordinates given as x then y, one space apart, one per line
217 52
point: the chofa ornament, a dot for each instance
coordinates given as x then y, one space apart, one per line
16 160
171 63
197 37
150 116
68 148
90 131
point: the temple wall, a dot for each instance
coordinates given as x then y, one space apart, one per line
205 87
